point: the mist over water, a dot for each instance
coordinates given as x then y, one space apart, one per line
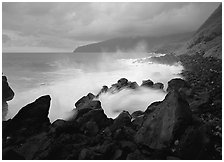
68 77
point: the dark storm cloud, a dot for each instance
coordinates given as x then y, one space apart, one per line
66 25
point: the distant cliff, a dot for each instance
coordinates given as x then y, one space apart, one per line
150 44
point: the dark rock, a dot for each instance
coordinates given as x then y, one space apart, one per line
103 90
198 142
136 155
117 154
91 128
166 123
7 92
60 126
137 122
31 119
177 84
36 146
137 114
88 154
77 113
199 101
158 86
122 82
84 105
84 100
97 116
123 119
10 154
147 83
172 158
128 146
7 95
124 133
152 107
132 85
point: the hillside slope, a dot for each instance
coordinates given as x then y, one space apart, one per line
142 44
208 38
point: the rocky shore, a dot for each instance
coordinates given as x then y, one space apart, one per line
7 95
185 125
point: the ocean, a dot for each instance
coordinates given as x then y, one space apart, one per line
66 77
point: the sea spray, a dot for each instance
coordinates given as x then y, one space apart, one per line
130 100
67 84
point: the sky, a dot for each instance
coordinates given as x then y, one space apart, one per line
62 27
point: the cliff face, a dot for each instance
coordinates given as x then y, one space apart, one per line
208 38
142 44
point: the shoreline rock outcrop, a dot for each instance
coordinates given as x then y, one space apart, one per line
169 129
7 95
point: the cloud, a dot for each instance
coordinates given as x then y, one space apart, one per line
5 38
67 25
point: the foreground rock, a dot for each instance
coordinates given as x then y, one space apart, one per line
30 120
7 95
165 123
168 129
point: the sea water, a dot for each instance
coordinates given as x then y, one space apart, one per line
66 77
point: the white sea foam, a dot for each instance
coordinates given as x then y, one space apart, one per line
69 84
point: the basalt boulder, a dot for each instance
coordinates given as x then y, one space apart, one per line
122 82
158 86
177 84
84 101
165 123
147 83
123 119
7 92
7 95
96 117
103 90
31 119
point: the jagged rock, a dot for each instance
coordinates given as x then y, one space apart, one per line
7 92
137 122
84 105
84 100
158 86
147 83
177 84
103 90
62 126
96 115
136 114
123 119
165 123
31 119
132 85
7 95
122 82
